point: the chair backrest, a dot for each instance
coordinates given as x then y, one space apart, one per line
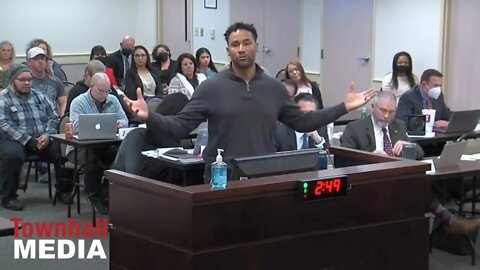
68 86
153 103
281 74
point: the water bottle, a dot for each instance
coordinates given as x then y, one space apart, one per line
201 143
363 113
219 172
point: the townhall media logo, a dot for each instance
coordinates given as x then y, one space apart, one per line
63 246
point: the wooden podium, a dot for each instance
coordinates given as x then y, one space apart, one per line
263 224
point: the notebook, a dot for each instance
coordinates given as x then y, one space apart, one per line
97 126
461 121
450 156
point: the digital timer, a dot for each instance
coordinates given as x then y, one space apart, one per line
323 188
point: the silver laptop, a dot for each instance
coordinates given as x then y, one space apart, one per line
461 121
450 156
98 126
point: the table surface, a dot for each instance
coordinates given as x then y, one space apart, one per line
83 143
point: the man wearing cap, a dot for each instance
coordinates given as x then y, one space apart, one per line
48 85
27 119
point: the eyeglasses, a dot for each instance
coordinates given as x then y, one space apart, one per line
25 80
105 92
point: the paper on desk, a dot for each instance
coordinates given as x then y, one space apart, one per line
432 166
427 135
472 157
477 128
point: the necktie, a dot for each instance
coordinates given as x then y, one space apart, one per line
126 65
305 141
429 103
387 144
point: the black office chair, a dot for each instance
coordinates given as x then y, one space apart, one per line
281 74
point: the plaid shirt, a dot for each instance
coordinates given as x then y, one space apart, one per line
21 119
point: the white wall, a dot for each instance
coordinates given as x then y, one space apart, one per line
408 25
73 27
310 39
211 21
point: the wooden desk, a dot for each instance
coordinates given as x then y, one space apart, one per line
85 144
262 224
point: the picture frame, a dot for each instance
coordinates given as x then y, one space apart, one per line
211 4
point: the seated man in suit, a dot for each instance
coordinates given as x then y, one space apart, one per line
288 139
121 60
427 95
383 134
96 100
27 119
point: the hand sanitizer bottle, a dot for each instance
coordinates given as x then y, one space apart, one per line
219 172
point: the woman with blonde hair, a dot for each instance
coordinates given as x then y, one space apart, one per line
7 56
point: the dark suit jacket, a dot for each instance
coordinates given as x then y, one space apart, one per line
115 62
133 80
411 103
286 140
360 135
317 94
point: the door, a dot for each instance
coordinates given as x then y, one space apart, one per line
278 25
177 25
347 47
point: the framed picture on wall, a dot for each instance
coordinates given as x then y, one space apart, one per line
210 4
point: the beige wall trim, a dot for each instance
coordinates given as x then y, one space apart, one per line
64 59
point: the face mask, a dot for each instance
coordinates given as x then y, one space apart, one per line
161 57
102 59
402 69
434 92
126 52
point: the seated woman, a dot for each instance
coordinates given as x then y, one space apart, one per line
401 79
163 64
7 56
296 73
142 75
205 63
186 78
99 53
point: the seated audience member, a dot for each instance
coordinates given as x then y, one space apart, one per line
130 159
427 95
383 134
96 100
401 79
7 56
82 86
187 78
121 60
164 64
52 68
142 75
296 73
291 86
205 63
27 119
48 85
99 53
288 139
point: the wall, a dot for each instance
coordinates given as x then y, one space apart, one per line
208 28
408 25
463 56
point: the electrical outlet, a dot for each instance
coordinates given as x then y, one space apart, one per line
212 34
196 31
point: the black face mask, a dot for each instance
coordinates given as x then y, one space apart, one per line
161 57
126 52
403 69
102 59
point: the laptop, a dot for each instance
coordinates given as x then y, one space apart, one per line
450 156
98 126
461 121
